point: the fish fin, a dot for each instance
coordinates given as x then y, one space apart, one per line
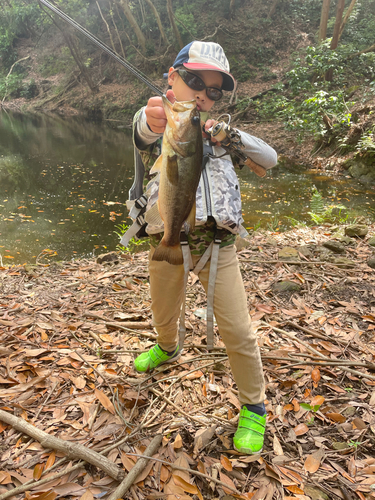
172 170
156 167
189 224
153 216
171 254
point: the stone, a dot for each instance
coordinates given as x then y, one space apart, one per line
358 170
241 243
286 286
334 246
356 230
371 262
315 493
371 241
305 251
346 240
343 262
288 253
271 241
112 257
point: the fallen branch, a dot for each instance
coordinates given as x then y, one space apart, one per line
31 484
72 450
137 469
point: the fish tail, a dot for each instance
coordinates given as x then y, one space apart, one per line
171 254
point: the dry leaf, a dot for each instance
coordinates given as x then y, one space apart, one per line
336 417
317 401
177 442
312 462
225 479
189 488
105 401
226 463
38 471
301 429
315 376
277 448
50 460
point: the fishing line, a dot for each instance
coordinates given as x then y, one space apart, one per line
136 72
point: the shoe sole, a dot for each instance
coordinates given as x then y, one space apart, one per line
247 451
167 361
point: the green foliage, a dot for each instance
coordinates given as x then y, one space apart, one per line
306 406
10 85
134 244
366 144
321 212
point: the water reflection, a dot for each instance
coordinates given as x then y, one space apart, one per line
64 183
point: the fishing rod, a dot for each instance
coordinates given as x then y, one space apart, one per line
96 41
230 138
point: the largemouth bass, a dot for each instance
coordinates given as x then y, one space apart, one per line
180 169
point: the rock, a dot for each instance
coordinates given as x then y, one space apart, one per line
358 170
286 286
371 262
271 241
305 251
288 253
108 257
346 240
356 230
371 241
315 493
241 243
334 246
343 262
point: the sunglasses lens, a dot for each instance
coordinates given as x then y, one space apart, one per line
214 94
192 81
196 83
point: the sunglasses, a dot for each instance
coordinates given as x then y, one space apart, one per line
195 83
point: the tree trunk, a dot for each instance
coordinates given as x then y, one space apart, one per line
232 8
158 20
134 25
324 20
336 32
174 25
347 15
106 25
75 53
272 9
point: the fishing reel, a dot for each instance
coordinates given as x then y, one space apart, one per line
230 140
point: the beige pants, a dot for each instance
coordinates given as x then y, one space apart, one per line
231 312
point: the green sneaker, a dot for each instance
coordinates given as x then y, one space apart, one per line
249 437
155 357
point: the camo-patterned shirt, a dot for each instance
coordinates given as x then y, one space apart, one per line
218 199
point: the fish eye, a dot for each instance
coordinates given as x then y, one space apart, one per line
196 120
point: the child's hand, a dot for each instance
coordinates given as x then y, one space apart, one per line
210 123
155 115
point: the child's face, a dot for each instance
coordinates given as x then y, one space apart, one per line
185 93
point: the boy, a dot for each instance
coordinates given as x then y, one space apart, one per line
201 73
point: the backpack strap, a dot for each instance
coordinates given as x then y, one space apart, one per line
137 210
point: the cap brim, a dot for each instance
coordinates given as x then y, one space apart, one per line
229 83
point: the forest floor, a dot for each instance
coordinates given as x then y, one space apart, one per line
69 334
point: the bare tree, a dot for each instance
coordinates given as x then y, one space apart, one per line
347 15
158 20
336 32
324 20
174 25
133 23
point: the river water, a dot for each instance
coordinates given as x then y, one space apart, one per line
64 184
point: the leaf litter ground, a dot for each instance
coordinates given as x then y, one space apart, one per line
70 331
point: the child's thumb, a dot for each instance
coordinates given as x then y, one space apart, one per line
170 96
